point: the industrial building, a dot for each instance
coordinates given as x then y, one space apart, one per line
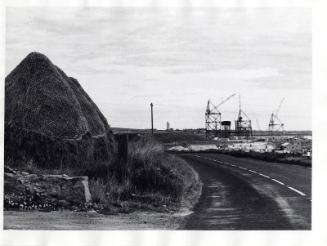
213 123
215 127
243 126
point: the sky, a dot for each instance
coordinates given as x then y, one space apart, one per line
176 58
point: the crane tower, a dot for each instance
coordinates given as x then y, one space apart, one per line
213 122
275 124
243 126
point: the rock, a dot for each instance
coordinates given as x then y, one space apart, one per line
46 191
63 203
9 170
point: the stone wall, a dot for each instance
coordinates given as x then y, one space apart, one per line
23 190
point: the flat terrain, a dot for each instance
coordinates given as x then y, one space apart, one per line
237 194
68 220
248 194
173 137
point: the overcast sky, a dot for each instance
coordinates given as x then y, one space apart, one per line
177 58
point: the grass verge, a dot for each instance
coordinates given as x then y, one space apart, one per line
148 178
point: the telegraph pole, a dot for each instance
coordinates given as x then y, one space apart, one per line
151 105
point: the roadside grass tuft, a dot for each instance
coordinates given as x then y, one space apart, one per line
148 178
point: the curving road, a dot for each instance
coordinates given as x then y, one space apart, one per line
248 194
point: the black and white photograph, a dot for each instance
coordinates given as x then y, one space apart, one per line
158 118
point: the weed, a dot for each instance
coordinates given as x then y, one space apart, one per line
147 177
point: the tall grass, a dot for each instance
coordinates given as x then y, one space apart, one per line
147 177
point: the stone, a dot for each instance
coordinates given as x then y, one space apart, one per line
50 191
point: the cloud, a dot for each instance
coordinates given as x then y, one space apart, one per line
176 57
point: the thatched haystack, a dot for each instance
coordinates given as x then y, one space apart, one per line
50 120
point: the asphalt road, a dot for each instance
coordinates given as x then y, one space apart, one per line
248 194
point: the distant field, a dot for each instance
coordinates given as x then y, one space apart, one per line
171 137
285 133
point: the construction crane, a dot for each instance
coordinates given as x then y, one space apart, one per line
225 100
275 124
213 116
240 111
243 126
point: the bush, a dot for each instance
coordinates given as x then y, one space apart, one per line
148 176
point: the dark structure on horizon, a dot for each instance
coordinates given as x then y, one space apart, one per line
243 125
275 125
213 123
215 127
225 129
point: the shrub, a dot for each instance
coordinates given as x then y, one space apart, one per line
147 177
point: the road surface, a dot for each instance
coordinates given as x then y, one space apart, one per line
248 194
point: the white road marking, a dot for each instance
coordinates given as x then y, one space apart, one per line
277 181
265 176
297 191
252 171
217 161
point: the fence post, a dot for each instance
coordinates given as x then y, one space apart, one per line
123 147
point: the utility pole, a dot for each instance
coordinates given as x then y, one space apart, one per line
151 105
